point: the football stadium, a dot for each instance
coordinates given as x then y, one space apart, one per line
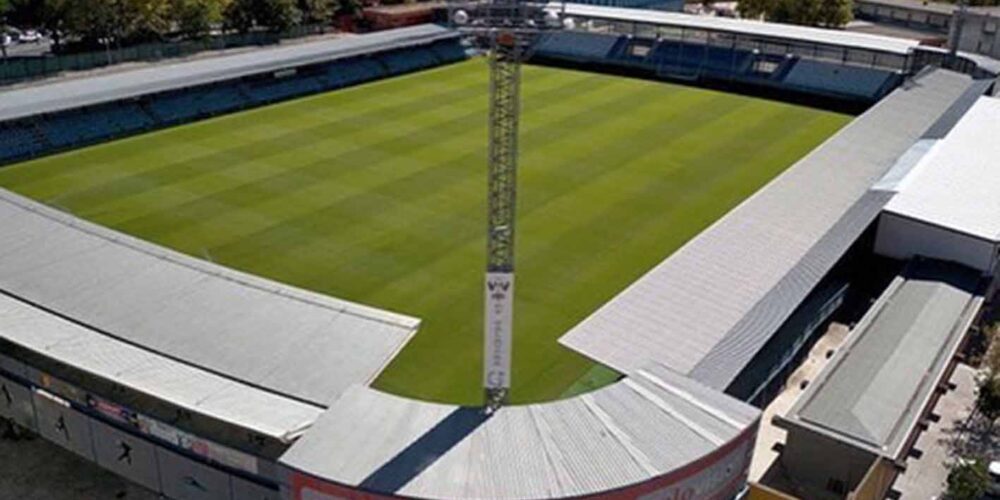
259 275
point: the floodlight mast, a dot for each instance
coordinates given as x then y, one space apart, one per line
508 29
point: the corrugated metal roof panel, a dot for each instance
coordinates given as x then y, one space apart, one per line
684 308
754 28
145 372
262 333
614 437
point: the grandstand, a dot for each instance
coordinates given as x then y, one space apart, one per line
49 118
228 385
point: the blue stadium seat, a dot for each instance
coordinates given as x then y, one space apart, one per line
192 103
447 52
18 140
350 72
840 80
696 59
83 126
577 45
275 90
404 61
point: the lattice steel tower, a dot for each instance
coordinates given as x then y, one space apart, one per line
508 29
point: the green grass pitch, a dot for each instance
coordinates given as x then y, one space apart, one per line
376 194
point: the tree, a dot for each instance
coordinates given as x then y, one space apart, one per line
755 9
349 8
317 11
828 13
835 13
988 384
196 18
967 480
144 19
988 398
276 15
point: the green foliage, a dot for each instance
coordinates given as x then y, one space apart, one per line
967 480
317 11
826 13
126 21
988 397
275 15
196 18
376 194
350 8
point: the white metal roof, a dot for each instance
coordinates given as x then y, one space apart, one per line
640 428
77 92
708 308
803 34
255 331
148 373
955 184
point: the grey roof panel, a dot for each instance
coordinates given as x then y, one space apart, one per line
683 309
790 32
872 393
723 363
140 370
641 428
259 332
74 93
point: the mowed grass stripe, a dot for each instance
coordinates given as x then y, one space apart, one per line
377 194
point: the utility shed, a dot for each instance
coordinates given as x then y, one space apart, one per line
868 401
948 206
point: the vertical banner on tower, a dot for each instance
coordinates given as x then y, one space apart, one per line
499 325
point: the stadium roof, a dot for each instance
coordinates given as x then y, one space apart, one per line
74 93
872 393
708 309
186 311
640 428
748 27
953 185
145 372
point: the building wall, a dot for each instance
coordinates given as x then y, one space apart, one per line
824 464
980 35
903 238
150 453
914 18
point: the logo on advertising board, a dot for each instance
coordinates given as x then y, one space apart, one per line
499 319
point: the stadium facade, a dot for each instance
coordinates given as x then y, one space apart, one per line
114 347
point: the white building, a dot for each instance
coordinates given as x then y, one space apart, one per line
947 207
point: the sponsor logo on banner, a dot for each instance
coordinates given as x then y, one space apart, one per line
202 447
499 319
